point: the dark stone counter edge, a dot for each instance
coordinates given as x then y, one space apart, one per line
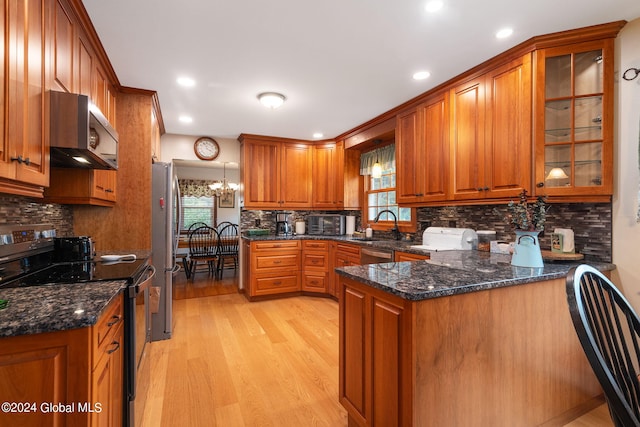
422 292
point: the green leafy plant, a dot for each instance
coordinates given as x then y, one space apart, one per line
523 215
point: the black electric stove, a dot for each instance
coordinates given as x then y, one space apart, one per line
81 272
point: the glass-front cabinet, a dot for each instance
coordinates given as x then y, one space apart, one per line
574 115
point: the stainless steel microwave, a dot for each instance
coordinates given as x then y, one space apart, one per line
327 225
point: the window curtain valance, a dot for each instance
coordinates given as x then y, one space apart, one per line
386 156
195 188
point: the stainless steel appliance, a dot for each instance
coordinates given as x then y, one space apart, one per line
375 255
28 257
165 232
81 137
283 228
328 225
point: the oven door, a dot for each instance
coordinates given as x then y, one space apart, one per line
137 369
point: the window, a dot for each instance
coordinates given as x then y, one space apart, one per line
197 209
380 195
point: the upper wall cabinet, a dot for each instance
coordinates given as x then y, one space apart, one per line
574 138
328 176
275 174
422 136
24 148
490 144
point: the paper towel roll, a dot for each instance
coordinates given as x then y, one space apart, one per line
300 227
351 225
568 245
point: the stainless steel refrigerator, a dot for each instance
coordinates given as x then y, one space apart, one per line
165 232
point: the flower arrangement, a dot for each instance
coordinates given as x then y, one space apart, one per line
527 216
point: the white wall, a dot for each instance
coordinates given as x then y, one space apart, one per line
626 229
180 149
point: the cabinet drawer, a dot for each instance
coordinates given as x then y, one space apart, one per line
314 282
406 256
271 245
106 328
315 261
271 284
346 248
289 261
316 245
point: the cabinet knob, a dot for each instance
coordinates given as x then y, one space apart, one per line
540 184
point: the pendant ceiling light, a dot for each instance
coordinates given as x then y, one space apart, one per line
271 100
223 187
557 173
376 169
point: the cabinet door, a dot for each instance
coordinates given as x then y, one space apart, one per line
422 152
63 49
261 174
328 187
104 184
354 354
25 151
107 384
296 176
508 150
574 138
409 143
467 140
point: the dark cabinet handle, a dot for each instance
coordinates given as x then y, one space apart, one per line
540 184
115 319
277 282
113 350
486 188
20 160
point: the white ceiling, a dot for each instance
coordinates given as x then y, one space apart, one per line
340 63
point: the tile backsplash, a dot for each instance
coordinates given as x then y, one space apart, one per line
24 210
590 222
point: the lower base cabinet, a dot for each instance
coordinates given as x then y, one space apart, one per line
375 342
501 357
65 378
274 267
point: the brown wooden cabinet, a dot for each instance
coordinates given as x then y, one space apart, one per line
422 152
375 356
26 65
78 366
275 267
82 186
491 133
344 255
107 373
399 256
296 175
328 176
315 266
574 136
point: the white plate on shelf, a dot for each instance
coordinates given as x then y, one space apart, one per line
129 257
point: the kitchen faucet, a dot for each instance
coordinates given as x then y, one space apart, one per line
394 230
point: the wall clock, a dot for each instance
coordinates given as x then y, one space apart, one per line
206 148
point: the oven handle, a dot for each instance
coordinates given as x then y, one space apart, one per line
146 282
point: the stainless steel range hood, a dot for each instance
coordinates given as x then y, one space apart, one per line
81 137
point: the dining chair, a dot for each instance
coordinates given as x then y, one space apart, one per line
203 247
608 329
227 247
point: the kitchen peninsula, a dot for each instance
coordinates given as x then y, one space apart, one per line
460 339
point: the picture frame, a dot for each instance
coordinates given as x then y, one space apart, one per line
227 200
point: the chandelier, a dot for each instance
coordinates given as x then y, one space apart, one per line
224 187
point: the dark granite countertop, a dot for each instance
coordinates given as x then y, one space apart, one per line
455 272
55 307
58 307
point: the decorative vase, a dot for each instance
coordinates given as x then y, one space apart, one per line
526 252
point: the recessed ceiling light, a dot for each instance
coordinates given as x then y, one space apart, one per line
434 6
271 100
318 135
186 119
504 33
186 81
421 75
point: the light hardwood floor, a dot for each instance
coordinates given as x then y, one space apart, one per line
233 363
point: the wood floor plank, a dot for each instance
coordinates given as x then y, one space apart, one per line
232 363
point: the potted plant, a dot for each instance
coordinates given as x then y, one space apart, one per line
528 220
